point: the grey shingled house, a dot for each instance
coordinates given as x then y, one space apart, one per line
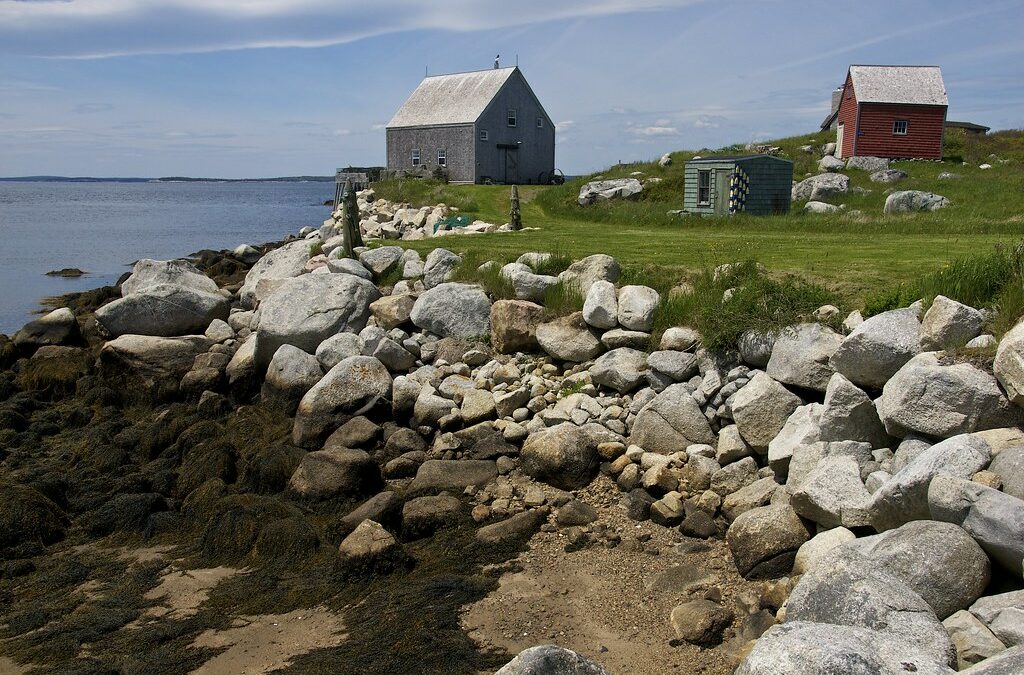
482 126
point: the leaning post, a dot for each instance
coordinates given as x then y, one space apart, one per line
517 216
349 221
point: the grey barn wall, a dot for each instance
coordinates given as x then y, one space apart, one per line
458 141
537 151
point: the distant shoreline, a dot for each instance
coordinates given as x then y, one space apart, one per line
167 179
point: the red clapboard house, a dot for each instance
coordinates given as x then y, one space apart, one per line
897 112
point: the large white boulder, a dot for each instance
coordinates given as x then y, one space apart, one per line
281 263
904 497
453 310
911 201
306 310
601 306
568 338
1009 363
671 422
147 274
620 369
525 283
761 408
637 305
933 399
949 324
995 519
348 390
850 415
800 356
583 273
821 186
163 310
439 267
878 347
603 190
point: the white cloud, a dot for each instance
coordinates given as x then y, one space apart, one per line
705 122
565 125
103 28
342 132
655 131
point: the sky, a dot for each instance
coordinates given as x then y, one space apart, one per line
259 88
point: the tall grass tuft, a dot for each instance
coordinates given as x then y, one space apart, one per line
758 303
994 280
562 299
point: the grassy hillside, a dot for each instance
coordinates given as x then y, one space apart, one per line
860 255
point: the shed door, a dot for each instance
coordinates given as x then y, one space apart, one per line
839 142
723 177
511 165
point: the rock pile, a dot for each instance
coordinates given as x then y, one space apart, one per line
384 219
876 473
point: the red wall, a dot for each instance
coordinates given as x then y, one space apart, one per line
924 131
848 117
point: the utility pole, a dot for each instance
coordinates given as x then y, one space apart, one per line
517 216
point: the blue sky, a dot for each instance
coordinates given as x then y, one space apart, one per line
247 88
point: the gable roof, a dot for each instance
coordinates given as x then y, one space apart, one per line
459 98
917 85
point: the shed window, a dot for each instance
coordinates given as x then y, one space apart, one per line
540 122
511 117
483 135
899 128
416 157
442 158
704 188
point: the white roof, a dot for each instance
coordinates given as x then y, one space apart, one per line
919 85
459 98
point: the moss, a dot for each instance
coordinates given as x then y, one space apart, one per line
206 461
26 515
269 469
236 523
8 353
288 540
56 375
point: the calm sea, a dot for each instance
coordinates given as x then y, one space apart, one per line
102 228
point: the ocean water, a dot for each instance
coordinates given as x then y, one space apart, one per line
102 228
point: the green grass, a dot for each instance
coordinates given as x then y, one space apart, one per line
856 257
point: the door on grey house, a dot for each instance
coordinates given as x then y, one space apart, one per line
723 178
511 165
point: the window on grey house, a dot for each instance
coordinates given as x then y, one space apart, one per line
416 157
442 158
899 128
540 122
704 188
511 117
483 134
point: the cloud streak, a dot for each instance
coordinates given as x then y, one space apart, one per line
107 28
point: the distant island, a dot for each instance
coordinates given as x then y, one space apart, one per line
166 179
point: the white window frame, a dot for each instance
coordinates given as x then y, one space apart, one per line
416 157
897 130
442 157
484 135
540 122
512 119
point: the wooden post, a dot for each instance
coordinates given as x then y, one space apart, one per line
517 216
351 237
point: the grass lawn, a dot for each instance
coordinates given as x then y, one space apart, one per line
856 255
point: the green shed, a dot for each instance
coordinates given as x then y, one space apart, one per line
758 184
